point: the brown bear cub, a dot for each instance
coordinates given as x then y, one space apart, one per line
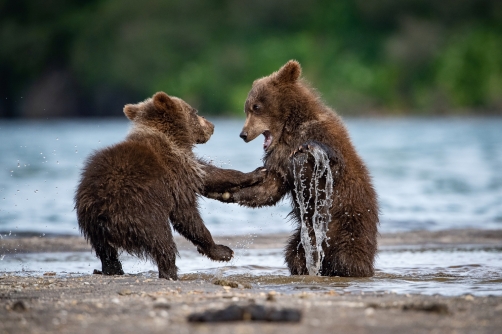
129 192
297 127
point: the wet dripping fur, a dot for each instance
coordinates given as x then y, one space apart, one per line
295 124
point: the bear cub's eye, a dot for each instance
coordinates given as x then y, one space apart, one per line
256 107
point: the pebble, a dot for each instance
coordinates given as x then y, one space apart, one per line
161 303
271 296
125 292
19 306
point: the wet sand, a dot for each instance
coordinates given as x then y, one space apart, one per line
141 303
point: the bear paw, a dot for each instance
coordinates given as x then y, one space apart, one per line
256 176
217 253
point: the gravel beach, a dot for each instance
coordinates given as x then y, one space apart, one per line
87 303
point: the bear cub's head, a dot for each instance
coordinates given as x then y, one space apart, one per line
268 102
171 116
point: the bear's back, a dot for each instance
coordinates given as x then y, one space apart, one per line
123 175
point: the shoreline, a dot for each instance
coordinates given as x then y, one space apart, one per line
31 243
143 303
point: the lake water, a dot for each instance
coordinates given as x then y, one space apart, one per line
430 174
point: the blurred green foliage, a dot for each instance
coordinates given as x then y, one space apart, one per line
365 57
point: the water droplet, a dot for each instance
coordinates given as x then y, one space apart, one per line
321 217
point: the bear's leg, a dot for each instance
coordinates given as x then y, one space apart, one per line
218 180
189 224
162 250
167 266
166 262
295 255
110 263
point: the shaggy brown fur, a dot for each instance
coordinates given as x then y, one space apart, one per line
130 191
294 120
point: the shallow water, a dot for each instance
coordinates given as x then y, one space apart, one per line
430 174
472 270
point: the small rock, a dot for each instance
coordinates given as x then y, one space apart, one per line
427 307
162 304
251 312
125 292
271 296
225 283
19 306
50 273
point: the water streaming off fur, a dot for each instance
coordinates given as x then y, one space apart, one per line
313 189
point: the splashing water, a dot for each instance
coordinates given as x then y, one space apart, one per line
322 196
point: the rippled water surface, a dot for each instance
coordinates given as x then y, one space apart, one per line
430 174
447 271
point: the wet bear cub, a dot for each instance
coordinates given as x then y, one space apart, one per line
129 192
300 131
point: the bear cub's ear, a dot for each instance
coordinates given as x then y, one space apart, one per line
290 72
131 111
162 101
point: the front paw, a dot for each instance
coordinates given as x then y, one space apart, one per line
217 253
222 197
256 176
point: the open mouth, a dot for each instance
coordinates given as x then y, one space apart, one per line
268 140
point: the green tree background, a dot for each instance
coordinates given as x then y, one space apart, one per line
61 58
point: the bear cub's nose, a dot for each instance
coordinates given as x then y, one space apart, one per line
244 135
